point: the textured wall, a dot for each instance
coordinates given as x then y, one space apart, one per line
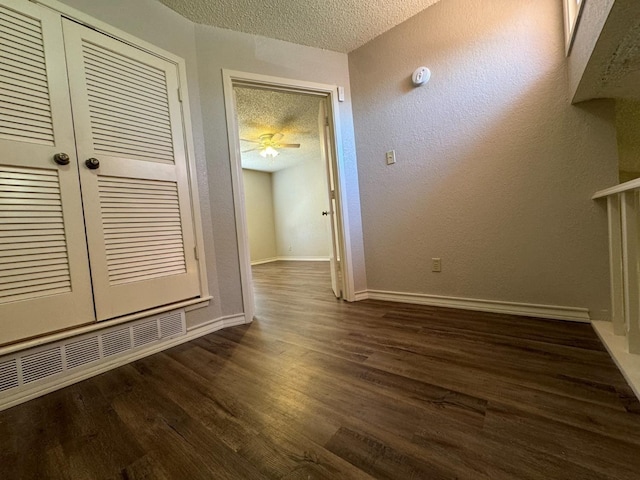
168 30
300 196
258 195
628 133
613 66
219 49
594 16
495 167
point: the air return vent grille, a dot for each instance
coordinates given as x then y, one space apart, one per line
67 356
145 333
42 364
82 352
170 325
8 375
116 342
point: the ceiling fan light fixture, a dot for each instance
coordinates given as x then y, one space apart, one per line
269 152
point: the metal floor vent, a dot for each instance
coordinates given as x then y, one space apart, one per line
60 358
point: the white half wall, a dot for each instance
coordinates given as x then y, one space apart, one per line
258 196
495 168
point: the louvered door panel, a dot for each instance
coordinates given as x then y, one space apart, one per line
137 206
44 278
31 229
142 231
25 108
120 89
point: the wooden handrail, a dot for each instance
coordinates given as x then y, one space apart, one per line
623 187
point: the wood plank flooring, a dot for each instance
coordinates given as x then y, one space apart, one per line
316 388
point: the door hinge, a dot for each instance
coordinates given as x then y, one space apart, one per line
326 121
195 252
180 95
332 195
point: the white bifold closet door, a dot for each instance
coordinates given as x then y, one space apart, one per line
128 118
44 275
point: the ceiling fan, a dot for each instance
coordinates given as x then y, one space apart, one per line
268 144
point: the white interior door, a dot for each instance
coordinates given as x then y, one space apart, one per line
127 114
325 147
44 276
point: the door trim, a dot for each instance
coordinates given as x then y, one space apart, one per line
232 78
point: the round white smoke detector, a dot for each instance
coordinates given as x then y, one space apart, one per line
421 76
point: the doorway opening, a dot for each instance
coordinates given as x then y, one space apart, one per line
285 159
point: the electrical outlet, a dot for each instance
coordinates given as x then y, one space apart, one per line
436 265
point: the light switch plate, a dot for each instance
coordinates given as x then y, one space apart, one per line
391 157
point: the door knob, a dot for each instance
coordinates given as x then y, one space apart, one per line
61 159
325 213
92 163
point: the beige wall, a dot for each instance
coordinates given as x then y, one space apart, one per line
218 49
628 133
284 212
495 168
258 196
300 195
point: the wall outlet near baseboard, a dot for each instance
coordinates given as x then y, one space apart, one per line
436 265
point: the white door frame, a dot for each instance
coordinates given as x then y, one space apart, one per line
233 78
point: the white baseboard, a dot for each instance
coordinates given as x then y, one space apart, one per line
83 373
303 259
290 259
264 260
361 295
215 325
573 314
616 345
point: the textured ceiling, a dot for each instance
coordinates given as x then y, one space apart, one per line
339 25
294 115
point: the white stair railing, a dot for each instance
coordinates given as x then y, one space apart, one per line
624 259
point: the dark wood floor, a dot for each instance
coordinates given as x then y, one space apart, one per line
321 389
